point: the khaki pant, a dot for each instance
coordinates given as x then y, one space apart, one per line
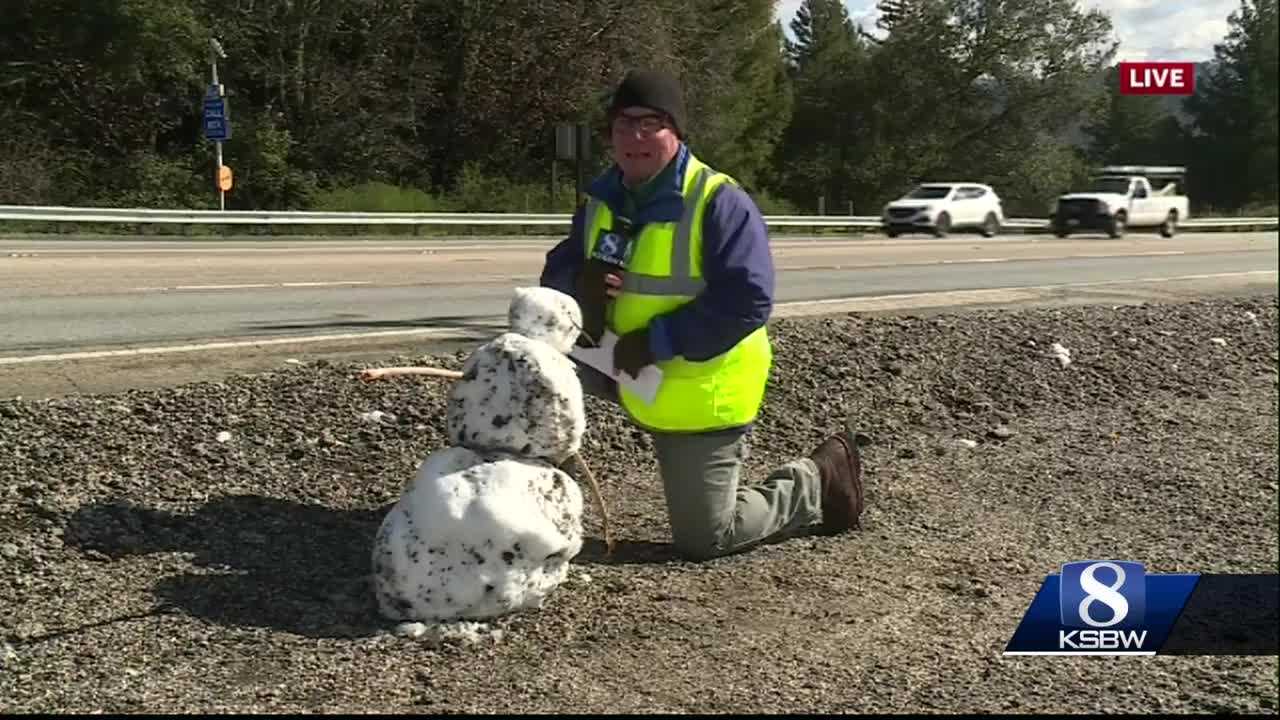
712 509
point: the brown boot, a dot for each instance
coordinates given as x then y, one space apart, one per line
840 466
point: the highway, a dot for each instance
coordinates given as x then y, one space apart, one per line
78 299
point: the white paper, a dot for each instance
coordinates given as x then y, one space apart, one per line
601 358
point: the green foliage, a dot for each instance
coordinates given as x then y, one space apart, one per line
480 191
113 77
1028 178
29 167
771 204
1134 129
268 175
374 197
740 102
153 181
959 84
826 141
1234 112
424 104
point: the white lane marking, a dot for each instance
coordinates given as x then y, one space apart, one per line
959 261
907 299
322 284
1208 276
782 264
1014 292
240 286
1120 254
1137 254
228 345
344 249
244 286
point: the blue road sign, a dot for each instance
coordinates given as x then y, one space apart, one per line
217 126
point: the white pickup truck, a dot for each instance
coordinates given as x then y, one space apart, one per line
1122 197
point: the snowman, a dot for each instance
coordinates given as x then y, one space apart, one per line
489 525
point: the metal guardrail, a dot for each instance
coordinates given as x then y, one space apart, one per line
33 213
283 217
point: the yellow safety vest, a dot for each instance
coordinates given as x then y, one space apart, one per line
663 273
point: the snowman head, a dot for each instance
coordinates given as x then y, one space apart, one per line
519 393
541 313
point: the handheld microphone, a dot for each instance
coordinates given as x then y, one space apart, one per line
615 246
614 249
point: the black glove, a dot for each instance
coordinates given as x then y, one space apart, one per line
593 296
632 352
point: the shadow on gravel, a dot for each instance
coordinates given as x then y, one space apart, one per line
644 552
272 563
268 562
626 552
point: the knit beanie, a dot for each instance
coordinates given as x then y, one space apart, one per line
652 89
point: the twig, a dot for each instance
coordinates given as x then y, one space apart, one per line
370 374
574 465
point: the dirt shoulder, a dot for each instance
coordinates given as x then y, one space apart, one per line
146 566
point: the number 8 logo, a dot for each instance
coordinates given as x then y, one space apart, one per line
1106 594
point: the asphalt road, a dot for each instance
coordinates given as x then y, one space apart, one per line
67 300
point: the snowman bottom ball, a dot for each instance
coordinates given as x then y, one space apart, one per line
476 537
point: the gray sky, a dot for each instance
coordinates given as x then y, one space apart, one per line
1177 30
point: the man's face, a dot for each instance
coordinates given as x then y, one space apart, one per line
643 142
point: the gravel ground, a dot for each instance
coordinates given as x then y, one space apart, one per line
148 566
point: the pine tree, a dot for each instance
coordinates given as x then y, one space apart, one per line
828 66
820 26
1234 112
964 87
1133 129
739 97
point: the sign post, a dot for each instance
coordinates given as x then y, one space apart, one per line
217 123
573 142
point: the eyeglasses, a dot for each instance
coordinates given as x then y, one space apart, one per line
646 124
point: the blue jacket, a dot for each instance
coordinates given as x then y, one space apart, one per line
737 265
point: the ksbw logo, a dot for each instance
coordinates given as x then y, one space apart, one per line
614 247
1102 605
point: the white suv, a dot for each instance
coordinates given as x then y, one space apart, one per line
942 207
